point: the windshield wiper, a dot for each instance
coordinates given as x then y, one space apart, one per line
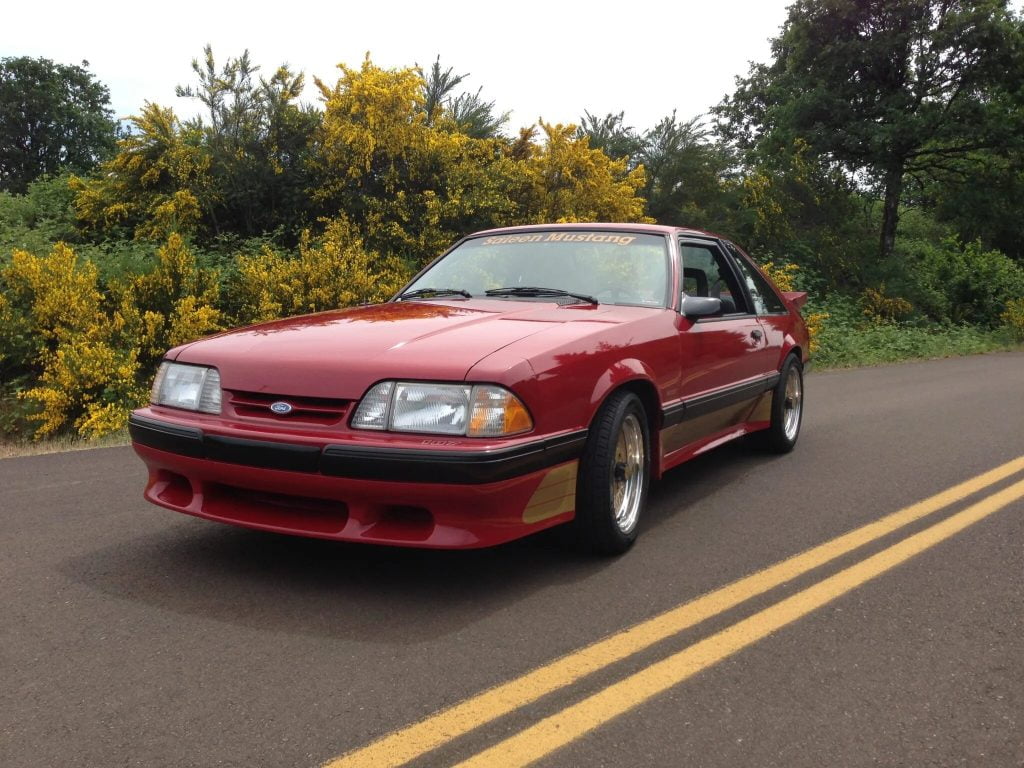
530 290
424 293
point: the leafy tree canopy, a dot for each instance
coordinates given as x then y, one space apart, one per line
257 135
466 112
52 117
888 89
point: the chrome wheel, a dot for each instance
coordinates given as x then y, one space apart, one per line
611 487
793 404
628 476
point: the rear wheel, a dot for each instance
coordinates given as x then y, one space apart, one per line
787 408
611 490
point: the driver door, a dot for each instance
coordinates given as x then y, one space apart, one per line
720 365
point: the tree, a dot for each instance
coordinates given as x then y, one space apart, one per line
987 208
52 117
885 89
612 136
467 112
241 170
795 208
257 135
686 174
438 88
475 117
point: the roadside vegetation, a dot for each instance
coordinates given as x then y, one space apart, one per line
14 447
877 162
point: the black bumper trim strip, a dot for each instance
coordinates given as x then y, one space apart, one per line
262 453
673 414
362 462
456 467
186 441
723 398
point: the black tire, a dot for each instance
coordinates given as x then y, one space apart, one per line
604 524
782 435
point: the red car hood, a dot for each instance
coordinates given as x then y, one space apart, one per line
340 354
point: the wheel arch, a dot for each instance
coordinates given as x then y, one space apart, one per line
791 347
633 376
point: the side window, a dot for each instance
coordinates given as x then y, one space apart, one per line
706 273
766 301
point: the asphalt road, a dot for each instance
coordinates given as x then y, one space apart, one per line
132 636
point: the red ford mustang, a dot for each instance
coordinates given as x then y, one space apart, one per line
528 377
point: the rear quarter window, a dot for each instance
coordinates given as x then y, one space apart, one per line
766 300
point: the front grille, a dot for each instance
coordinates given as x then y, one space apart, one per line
308 410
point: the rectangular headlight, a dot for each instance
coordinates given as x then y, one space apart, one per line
439 408
476 410
192 387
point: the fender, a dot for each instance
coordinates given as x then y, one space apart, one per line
789 344
623 372
628 369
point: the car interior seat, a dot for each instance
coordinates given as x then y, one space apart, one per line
699 277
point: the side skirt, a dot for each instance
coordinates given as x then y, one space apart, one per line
701 424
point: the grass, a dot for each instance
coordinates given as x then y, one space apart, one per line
843 346
10 449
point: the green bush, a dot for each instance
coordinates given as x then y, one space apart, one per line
847 338
34 221
952 282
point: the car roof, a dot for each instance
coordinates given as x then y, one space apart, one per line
653 229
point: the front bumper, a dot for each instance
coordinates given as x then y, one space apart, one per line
378 494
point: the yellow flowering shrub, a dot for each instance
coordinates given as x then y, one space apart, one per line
880 308
58 299
412 185
566 180
154 184
456 184
1013 317
174 303
782 274
372 115
815 322
58 292
94 351
7 321
761 196
89 384
332 271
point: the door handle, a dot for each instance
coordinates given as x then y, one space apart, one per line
757 334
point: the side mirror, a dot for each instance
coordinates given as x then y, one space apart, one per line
700 306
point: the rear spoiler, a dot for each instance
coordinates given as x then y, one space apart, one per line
796 298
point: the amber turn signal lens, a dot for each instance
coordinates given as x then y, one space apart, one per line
516 417
496 412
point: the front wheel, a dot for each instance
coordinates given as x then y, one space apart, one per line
615 472
787 408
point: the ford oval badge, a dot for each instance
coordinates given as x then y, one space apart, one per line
281 407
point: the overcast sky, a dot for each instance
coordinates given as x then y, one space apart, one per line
535 59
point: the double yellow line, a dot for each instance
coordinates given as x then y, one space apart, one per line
569 724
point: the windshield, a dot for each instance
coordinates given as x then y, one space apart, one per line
612 267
